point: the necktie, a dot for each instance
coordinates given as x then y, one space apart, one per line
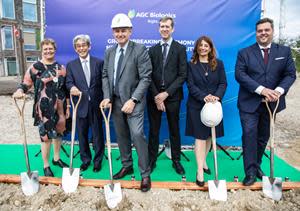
165 45
118 72
86 72
266 55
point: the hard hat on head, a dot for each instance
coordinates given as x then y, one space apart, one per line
211 114
121 20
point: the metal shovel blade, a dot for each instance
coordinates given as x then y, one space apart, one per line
30 183
217 190
70 179
272 187
113 194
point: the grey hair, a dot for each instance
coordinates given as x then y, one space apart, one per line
86 38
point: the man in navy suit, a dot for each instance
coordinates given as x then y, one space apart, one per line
84 74
264 70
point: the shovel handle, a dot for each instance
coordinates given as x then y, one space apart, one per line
21 116
74 113
214 144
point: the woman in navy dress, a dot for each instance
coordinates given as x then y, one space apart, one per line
206 83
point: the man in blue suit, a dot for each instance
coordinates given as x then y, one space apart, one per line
264 70
84 74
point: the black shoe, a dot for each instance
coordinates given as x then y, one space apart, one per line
199 183
145 184
60 163
260 173
207 171
97 168
48 172
84 166
178 167
249 180
123 172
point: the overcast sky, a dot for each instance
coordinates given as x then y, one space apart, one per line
291 20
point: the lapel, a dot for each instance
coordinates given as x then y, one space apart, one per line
112 64
257 52
127 54
170 53
80 71
272 55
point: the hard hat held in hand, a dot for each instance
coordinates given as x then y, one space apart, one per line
211 114
121 20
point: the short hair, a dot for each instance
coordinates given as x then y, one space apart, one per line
265 20
166 18
47 41
86 38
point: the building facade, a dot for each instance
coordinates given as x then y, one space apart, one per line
16 54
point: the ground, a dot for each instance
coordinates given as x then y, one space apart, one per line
87 198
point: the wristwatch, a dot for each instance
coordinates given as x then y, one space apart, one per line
134 100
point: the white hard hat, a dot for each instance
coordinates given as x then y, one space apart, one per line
211 114
120 20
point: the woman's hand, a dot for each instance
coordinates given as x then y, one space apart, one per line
211 98
18 94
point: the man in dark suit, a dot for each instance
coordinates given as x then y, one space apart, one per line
169 64
264 70
126 78
84 75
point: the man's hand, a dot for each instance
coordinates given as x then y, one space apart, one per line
211 98
105 103
160 98
128 107
161 107
270 95
74 91
18 94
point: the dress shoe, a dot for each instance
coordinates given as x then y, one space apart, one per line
60 163
123 172
199 183
84 166
145 184
249 180
207 171
97 168
178 167
260 173
48 172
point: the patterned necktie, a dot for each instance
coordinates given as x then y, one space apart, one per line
118 72
86 72
266 55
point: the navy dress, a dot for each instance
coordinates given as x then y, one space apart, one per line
202 81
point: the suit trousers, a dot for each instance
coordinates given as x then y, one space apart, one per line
154 115
131 127
256 133
93 120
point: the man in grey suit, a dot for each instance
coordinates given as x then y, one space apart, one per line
125 80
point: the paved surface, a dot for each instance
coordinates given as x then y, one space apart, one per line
8 85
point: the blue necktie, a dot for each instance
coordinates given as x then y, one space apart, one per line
118 72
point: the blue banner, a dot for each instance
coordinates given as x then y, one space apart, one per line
230 23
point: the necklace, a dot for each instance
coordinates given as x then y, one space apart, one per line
205 69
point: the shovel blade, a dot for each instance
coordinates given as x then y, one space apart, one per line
113 194
30 183
272 187
70 179
217 190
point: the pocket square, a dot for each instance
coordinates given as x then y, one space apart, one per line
279 58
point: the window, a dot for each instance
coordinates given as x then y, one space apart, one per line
11 66
30 10
7 38
30 60
8 9
29 39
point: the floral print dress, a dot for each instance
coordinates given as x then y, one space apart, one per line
49 98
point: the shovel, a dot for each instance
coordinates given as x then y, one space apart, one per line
112 191
29 179
217 188
272 186
70 177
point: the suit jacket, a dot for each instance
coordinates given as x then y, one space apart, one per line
174 73
200 85
76 77
250 72
135 74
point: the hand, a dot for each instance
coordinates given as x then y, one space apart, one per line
18 94
68 113
270 95
161 107
160 98
211 98
105 103
74 91
128 107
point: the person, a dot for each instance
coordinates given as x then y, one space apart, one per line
264 71
48 78
84 74
169 63
126 78
206 81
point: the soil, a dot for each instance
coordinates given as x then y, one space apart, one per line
52 197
